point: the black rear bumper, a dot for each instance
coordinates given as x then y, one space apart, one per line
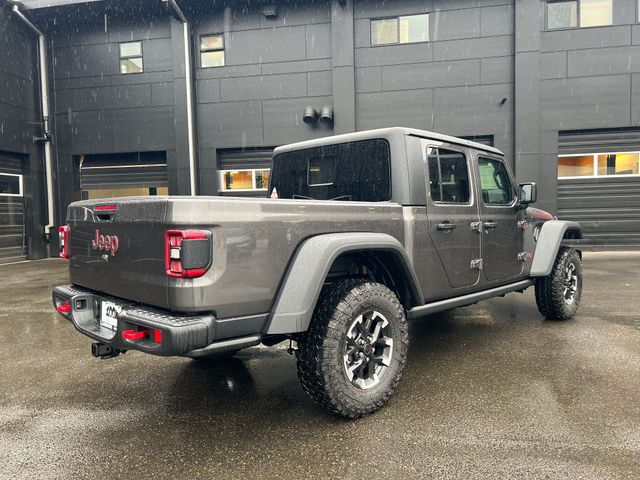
161 332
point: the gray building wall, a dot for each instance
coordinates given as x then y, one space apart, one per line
96 109
273 69
20 121
452 84
587 79
490 68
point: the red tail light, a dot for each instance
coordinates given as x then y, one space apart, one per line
64 308
64 234
187 253
105 208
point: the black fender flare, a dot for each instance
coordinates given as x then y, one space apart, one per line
548 244
300 289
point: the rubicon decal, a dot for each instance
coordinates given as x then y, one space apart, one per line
108 243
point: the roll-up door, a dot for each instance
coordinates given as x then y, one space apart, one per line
244 172
599 185
123 174
12 227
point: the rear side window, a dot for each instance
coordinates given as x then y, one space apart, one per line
494 182
448 176
357 171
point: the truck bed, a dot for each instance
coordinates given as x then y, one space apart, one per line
253 241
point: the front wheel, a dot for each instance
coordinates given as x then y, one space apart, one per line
558 295
351 358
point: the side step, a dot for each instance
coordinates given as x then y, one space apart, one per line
464 300
225 346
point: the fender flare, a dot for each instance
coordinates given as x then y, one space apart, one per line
548 244
300 289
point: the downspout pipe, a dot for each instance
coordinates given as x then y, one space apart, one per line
44 99
188 73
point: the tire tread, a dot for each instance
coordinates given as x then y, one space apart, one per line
318 367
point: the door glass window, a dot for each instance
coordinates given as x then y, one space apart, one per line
494 182
448 176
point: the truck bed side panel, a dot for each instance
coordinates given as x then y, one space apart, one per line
260 236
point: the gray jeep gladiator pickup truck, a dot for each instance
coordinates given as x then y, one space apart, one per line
361 232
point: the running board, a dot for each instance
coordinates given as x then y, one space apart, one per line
442 305
225 346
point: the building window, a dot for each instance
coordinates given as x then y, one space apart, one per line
131 57
448 176
405 29
211 51
599 165
10 185
244 180
579 13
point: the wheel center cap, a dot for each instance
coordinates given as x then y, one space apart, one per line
367 349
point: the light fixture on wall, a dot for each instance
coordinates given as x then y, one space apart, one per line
310 116
270 11
326 115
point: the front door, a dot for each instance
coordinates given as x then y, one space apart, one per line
453 213
502 237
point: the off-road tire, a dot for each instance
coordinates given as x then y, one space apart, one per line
320 353
550 296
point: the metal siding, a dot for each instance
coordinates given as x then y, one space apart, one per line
608 208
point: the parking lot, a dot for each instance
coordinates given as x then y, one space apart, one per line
490 391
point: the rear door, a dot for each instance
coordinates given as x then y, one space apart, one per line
452 213
503 237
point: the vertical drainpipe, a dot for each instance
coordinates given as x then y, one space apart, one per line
44 99
188 78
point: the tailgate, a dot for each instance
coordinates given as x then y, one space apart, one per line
117 247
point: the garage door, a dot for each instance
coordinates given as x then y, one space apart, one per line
599 186
244 172
12 229
123 174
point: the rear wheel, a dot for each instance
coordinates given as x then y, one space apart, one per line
351 358
558 295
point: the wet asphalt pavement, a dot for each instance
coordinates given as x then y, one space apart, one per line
490 391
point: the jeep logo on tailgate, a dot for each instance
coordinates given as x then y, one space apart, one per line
109 243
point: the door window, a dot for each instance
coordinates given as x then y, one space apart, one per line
448 176
495 185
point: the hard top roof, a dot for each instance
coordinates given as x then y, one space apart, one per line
385 132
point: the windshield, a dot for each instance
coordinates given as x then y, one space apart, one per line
356 171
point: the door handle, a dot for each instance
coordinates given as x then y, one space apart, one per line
489 225
445 226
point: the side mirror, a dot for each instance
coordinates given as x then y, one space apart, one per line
528 193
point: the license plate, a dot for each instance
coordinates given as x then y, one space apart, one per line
109 315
